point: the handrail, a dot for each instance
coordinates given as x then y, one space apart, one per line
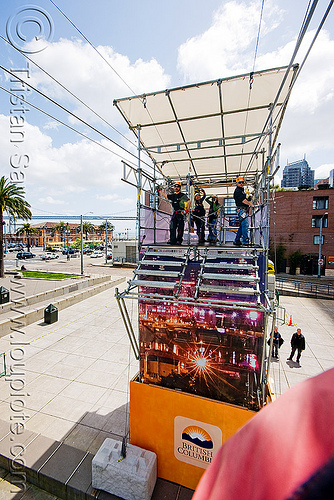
301 287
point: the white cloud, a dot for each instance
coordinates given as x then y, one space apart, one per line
51 201
51 125
70 172
107 197
227 47
97 83
323 171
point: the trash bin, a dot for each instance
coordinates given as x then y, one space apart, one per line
50 314
4 295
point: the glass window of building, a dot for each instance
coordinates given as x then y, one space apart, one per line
316 220
229 206
320 202
316 239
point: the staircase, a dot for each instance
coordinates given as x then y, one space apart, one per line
199 274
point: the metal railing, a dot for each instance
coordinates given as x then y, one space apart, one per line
305 288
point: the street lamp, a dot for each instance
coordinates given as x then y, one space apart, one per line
320 262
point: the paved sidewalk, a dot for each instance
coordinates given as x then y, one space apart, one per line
77 371
315 317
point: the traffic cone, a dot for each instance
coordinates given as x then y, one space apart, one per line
290 322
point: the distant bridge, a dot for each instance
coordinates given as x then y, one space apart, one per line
76 217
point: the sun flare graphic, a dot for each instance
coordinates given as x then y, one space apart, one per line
197 432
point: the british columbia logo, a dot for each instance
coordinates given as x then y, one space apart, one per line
196 443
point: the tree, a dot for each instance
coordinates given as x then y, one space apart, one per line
295 260
277 254
60 228
102 228
87 228
13 203
28 230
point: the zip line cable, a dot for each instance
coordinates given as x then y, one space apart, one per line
68 126
93 47
330 5
68 112
111 67
251 77
71 93
303 29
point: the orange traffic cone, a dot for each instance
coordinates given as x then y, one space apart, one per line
290 322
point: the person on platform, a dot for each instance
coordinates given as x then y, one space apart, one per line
243 204
198 216
178 201
297 344
214 206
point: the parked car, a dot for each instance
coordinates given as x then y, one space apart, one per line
96 254
25 255
49 256
17 248
71 251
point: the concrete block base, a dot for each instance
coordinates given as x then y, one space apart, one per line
132 478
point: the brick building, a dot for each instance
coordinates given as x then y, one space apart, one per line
48 236
295 223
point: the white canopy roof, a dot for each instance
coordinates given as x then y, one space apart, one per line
214 130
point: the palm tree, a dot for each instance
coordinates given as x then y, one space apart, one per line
87 228
102 228
28 230
60 228
11 201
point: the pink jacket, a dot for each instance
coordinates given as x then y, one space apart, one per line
278 449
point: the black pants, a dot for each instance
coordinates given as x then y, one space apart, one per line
299 353
176 228
200 229
275 350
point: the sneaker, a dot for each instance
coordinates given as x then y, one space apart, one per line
237 243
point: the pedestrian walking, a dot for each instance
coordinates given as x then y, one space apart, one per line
297 344
277 342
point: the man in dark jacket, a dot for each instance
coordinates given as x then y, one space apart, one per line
276 342
297 344
178 201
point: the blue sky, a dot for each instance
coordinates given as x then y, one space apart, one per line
152 45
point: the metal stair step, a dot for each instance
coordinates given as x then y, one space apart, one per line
153 272
228 289
227 265
153 284
179 254
230 277
160 263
